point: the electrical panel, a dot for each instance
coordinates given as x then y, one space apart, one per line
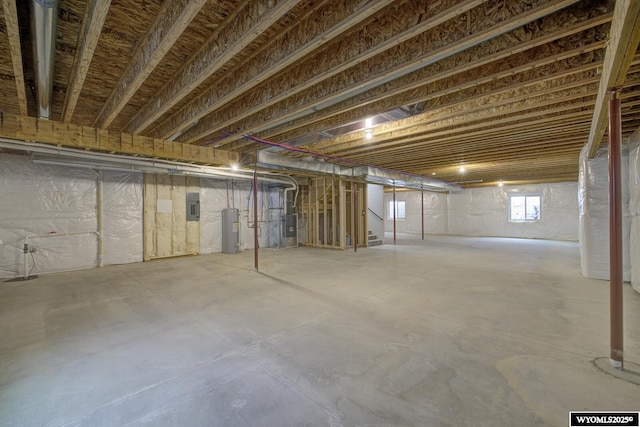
193 206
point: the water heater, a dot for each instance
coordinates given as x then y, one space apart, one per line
230 231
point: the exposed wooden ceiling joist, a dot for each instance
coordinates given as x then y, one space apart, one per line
504 49
320 26
173 19
249 23
13 34
623 43
94 16
416 53
382 36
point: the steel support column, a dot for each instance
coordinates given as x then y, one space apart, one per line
394 213
615 232
255 218
422 210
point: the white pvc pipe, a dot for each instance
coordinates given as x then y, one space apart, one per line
27 249
100 219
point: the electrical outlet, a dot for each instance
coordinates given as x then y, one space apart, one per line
32 249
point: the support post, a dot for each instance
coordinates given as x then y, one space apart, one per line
356 217
422 206
615 232
394 209
255 218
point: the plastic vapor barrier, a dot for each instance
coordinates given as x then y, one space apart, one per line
122 217
435 212
41 199
484 211
593 200
634 208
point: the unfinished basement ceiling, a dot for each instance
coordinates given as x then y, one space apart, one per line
505 88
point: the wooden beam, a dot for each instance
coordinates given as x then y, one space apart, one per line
235 35
95 13
69 135
174 17
623 43
395 28
305 36
427 48
13 33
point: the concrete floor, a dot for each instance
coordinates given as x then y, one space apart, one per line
451 331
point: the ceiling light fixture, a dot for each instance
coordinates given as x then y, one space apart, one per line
368 133
500 183
462 169
368 122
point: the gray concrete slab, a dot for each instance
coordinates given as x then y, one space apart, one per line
450 331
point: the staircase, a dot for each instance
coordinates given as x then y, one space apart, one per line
373 240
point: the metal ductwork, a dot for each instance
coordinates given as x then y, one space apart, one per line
44 15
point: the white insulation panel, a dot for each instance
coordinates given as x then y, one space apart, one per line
593 198
484 212
122 210
53 200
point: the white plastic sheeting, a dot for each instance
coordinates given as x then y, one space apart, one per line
435 212
52 200
593 199
634 208
122 216
484 212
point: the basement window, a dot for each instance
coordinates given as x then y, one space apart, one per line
525 208
399 208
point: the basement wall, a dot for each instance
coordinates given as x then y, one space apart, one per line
43 199
40 199
484 212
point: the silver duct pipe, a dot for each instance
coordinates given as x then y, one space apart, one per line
44 14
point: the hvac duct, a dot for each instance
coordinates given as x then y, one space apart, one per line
43 30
